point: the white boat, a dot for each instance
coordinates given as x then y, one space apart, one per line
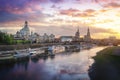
59 49
50 50
35 52
72 48
20 54
32 52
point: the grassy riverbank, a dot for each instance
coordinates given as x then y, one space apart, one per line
107 65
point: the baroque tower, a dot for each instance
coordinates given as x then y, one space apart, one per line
88 33
87 38
77 35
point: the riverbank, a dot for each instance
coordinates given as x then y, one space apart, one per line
24 46
107 65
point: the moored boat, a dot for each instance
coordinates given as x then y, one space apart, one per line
18 55
50 51
72 48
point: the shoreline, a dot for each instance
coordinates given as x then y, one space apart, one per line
106 65
24 46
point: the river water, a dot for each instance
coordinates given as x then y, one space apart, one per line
64 66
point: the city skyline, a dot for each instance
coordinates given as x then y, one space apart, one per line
62 17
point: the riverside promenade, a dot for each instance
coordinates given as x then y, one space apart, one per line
11 48
25 46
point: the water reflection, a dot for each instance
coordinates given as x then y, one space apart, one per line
64 66
35 60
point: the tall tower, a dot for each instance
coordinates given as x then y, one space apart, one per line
88 37
77 35
88 33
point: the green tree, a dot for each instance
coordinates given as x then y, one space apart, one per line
6 38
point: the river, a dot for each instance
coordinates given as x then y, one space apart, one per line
64 66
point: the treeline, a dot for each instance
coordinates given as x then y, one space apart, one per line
8 39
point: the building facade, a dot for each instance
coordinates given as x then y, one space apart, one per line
36 38
24 33
66 38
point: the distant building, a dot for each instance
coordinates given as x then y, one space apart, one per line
45 37
51 38
77 36
112 40
87 38
66 38
48 38
36 38
24 33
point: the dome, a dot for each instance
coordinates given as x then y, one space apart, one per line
25 30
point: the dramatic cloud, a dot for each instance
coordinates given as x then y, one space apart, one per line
12 10
20 7
112 5
78 13
56 1
86 13
62 16
69 11
89 11
83 15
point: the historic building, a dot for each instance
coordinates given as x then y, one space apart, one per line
24 33
47 38
66 38
36 38
77 36
87 38
51 38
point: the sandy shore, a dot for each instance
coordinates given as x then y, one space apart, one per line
107 65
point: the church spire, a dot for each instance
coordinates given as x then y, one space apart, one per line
77 33
78 30
88 32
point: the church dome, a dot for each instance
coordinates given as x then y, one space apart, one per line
25 30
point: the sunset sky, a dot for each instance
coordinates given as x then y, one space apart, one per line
62 17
